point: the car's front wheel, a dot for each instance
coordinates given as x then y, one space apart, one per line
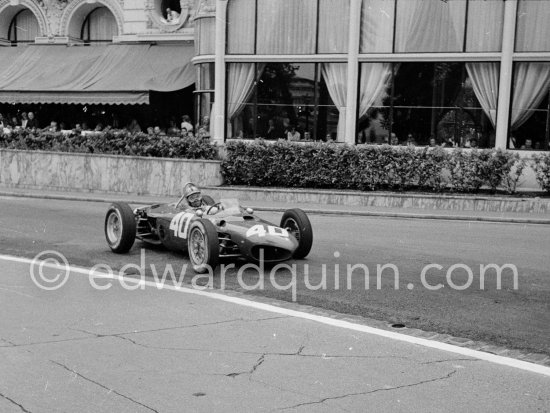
203 245
120 227
297 223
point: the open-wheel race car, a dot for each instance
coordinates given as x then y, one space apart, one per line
215 230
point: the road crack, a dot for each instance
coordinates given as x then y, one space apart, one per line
103 386
15 403
343 396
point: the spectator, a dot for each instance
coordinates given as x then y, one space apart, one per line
271 132
394 140
292 134
134 127
433 142
173 129
52 128
150 131
77 129
24 120
32 123
203 131
186 123
14 121
528 145
2 123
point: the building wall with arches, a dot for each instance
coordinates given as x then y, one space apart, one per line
61 21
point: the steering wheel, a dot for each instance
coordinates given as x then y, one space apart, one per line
217 205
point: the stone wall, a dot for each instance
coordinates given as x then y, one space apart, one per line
103 173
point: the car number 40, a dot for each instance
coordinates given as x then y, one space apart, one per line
180 224
260 231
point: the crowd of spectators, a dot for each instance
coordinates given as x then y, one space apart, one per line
27 121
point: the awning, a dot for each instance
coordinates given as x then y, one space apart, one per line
113 74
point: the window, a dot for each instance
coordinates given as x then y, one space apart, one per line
23 27
99 26
533 30
267 100
436 100
529 117
446 20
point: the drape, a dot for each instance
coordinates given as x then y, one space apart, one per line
375 78
241 15
286 26
336 79
102 24
27 26
333 26
485 78
485 21
531 83
240 80
445 21
533 28
377 26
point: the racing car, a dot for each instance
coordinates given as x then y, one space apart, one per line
216 230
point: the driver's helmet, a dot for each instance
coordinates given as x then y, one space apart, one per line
193 195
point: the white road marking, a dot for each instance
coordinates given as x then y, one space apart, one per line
492 358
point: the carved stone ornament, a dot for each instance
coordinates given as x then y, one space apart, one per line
156 20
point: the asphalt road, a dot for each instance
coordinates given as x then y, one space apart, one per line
509 316
77 349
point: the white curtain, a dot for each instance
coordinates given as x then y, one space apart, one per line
240 80
333 26
533 27
377 18
375 79
445 21
485 77
240 26
336 79
531 83
27 26
102 24
485 21
286 26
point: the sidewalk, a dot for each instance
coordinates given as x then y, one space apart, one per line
541 217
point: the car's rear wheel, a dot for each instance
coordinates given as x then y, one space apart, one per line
120 227
297 223
203 245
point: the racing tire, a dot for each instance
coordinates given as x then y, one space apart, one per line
203 246
297 223
208 200
120 227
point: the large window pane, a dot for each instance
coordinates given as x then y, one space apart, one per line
206 28
241 26
430 26
286 26
485 20
529 116
533 28
438 100
377 18
333 26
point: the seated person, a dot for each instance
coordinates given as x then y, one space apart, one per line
193 196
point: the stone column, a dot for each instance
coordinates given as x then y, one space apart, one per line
353 71
505 82
219 75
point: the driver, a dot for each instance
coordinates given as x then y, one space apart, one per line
193 195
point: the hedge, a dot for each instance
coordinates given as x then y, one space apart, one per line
113 142
321 165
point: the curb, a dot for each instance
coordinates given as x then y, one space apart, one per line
314 211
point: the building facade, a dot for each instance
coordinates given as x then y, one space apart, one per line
460 72
98 61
